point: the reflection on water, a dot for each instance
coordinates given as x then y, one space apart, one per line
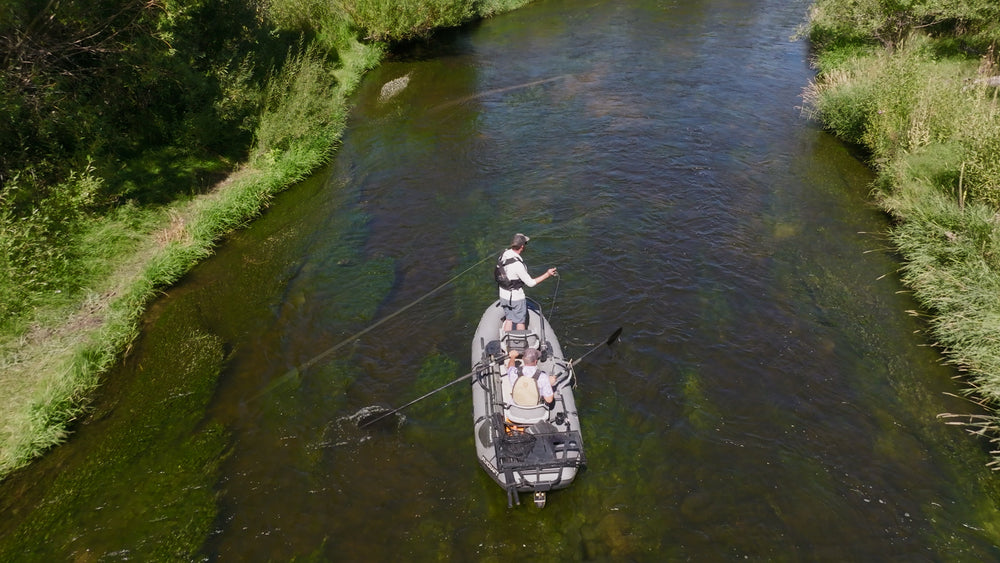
770 398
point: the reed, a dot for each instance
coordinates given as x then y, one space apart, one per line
925 111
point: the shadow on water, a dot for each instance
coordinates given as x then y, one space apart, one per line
770 398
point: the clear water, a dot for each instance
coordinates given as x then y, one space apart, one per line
770 399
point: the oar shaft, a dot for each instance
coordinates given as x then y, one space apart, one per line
611 339
614 336
418 399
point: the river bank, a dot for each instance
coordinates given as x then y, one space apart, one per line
768 397
917 90
54 356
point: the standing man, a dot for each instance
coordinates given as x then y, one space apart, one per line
512 296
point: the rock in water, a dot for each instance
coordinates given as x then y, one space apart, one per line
393 87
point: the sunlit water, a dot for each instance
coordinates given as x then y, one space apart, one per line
771 398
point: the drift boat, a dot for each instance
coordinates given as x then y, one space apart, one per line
525 448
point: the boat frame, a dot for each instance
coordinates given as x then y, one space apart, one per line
525 450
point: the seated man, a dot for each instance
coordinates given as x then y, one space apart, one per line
530 370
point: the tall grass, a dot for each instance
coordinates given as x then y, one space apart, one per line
302 106
37 260
927 115
404 19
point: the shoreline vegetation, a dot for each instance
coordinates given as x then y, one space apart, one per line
139 134
915 85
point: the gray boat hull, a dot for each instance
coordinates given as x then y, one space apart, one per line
524 450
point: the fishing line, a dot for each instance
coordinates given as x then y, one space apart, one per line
500 90
373 326
296 372
555 293
490 256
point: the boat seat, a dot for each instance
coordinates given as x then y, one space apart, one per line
527 415
519 340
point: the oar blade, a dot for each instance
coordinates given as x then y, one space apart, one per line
374 414
611 339
614 336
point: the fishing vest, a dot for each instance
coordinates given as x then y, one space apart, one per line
500 274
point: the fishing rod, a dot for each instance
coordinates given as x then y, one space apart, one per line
611 340
296 372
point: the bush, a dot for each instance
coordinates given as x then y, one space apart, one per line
405 19
890 22
981 139
36 248
844 101
301 100
911 109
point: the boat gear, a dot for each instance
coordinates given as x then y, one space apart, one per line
534 449
522 339
525 390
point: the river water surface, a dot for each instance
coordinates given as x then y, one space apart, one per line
771 397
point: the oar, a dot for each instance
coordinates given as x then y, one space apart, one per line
422 397
611 339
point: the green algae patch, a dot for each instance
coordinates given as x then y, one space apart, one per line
150 473
437 370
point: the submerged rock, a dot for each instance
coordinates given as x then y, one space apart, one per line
393 87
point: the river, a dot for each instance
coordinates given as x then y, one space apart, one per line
771 397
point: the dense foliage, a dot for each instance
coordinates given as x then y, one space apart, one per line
112 101
108 104
135 133
151 92
916 84
970 24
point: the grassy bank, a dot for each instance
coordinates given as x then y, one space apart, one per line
916 86
92 227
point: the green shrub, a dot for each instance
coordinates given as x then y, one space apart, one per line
297 14
37 257
890 22
861 21
981 138
405 19
300 100
909 108
843 100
